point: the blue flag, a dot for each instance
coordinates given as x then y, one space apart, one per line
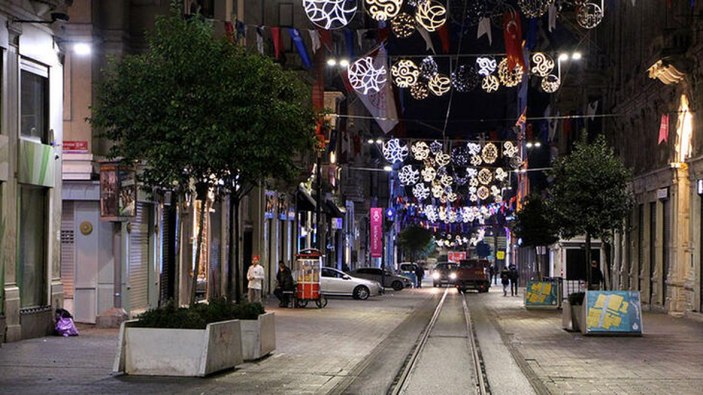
300 46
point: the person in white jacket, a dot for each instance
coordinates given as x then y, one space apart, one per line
255 276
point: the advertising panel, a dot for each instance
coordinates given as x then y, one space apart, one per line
456 256
118 192
613 312
541 294
376 232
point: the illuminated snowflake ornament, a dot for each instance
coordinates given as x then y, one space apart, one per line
437 190
439 84
408 176
383 10
490 83
486 66
509 149
364 77
436 147
330 14
512 77
442 159
431 15
500 174
428 68
550 83
465 78
474 148
394 152
403 25
446 180
471 172
476 160
543 64
431 213
589 15
405 73
460 156
428 174
485 177
421 192
483 193
489 153
420 150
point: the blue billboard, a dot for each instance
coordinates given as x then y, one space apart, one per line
542 294
613 312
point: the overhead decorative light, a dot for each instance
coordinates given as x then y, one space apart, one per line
460 156
364 77
486 66
428 174
330 14
500 174
428 68
431 15
442 159
408 176
465 78
403 25
543 64
507 77
490 83
476 160
405 73
419 91
439 84
509 149
394 152
669 70
452 197
383 10
421 192
446 180
475 10
489 154
483 193
437 190
550 83
534 8
484 176
420 150
589 15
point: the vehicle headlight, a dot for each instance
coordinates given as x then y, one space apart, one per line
435 275
452 276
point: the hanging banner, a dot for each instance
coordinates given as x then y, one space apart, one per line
271 206
376 232
118 192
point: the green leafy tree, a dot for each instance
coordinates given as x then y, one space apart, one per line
590 193
204 114
416 242
535 226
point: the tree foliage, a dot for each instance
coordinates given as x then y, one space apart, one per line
590 193
416 242
534 224
197 107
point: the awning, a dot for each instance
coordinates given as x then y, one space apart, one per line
303 200
333 210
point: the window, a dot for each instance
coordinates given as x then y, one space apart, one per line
34 102
31 270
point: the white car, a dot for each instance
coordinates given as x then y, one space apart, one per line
335 282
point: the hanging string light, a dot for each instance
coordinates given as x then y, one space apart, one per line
476 160
408 176
403 25
507 77
509 149
589 15
483 193
534 8
550 83
431 15
484 176
394 152
436 147
428 68
475 10
465 78
500 174
383 10
486 66
490 83
428 174
460 156
420 150
442 159
405 73
421 191
364 77
489 154
330 14
439 84
419 91
543 64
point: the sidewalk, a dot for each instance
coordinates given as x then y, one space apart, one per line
317 349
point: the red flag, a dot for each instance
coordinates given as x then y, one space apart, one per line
512 35
444 37
276 37
326 38
664 129
229 31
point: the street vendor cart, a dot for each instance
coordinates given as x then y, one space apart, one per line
308 265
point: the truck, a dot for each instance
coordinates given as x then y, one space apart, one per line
473 274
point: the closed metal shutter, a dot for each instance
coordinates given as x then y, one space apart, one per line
165 245
139 258
68 249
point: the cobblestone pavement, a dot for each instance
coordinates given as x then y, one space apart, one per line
318 348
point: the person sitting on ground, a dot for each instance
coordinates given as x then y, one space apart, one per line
505 280
284 282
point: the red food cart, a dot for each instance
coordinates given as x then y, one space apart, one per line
308 265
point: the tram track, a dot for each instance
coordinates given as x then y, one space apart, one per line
402 382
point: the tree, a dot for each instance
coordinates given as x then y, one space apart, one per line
203 114
535 226
415 242
590 193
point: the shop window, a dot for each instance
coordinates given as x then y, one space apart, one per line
34 103
32 246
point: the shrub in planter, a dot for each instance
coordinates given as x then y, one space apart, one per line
198 315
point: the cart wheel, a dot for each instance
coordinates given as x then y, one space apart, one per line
302 303
322 302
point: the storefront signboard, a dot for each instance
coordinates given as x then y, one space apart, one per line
376 232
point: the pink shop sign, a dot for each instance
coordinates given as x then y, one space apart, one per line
376 232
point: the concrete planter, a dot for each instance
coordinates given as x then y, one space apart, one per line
572 317
178 352
258 337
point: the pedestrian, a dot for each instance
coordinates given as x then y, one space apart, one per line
255 277
492 275
505 280
514 275
596 276
419 273
284 283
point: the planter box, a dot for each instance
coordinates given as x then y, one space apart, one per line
258 337
178 352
